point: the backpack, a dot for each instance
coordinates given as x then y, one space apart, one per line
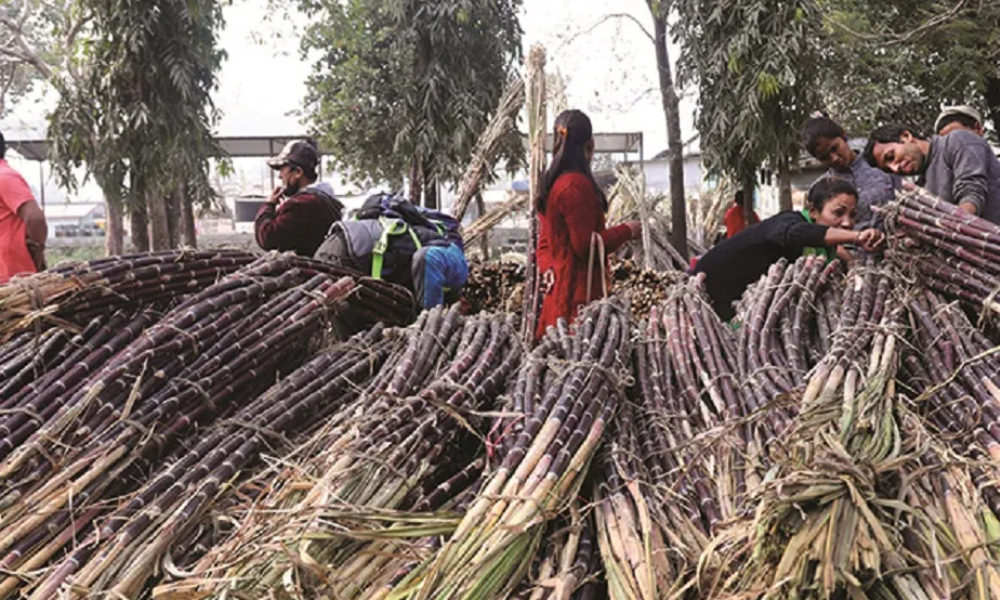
382 247
397 207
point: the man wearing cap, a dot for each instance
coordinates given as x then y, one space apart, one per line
299 212
953 118
959 167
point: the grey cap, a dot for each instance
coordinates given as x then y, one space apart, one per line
948 111
297 152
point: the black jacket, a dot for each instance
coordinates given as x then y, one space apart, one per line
732 265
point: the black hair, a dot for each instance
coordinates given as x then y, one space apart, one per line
3 146
738 198
964 120
886 134
829 187
818 127
572 132
308 172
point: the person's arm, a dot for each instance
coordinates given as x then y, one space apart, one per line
868 239
579 206
37 232
281 228
970 163
543 253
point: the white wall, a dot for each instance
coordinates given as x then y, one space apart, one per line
658 176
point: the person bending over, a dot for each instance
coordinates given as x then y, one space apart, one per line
826 223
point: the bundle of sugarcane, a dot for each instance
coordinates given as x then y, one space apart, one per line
384 451
494 136
544 458
644 556
30 404
787 321
630 201
696 430
955 375
494 286
373 301
831 523
953 252
127 546
567 565
202 359
79 291
954 379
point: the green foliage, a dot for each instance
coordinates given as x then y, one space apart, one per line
142 104
900 60
755 65
404 81
32 44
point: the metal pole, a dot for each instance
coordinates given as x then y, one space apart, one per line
270 145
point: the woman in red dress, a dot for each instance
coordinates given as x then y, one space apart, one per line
571 208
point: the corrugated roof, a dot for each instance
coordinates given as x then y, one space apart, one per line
264 146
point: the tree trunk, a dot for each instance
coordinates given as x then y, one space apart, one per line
993 102
140 229
430 192
189 233
173 207
675 147
137 214
114 226
784 185
416 181
114 209
156 215
749 186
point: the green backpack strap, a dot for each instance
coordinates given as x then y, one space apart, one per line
390 227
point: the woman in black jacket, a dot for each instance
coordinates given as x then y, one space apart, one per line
821 228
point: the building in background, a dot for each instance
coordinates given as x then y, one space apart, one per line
73 220
657 172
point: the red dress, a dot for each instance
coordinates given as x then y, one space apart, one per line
735 222
572 215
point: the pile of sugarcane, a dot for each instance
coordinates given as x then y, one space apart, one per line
123 381
644 289
70 295
839 439
494 287
76 292
385 450
951 251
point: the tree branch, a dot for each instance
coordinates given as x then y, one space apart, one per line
605 19
902 38
24 53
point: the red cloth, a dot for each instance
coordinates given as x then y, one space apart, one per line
14 192
300 224
572 215
735 222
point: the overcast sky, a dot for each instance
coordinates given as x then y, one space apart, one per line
610 72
